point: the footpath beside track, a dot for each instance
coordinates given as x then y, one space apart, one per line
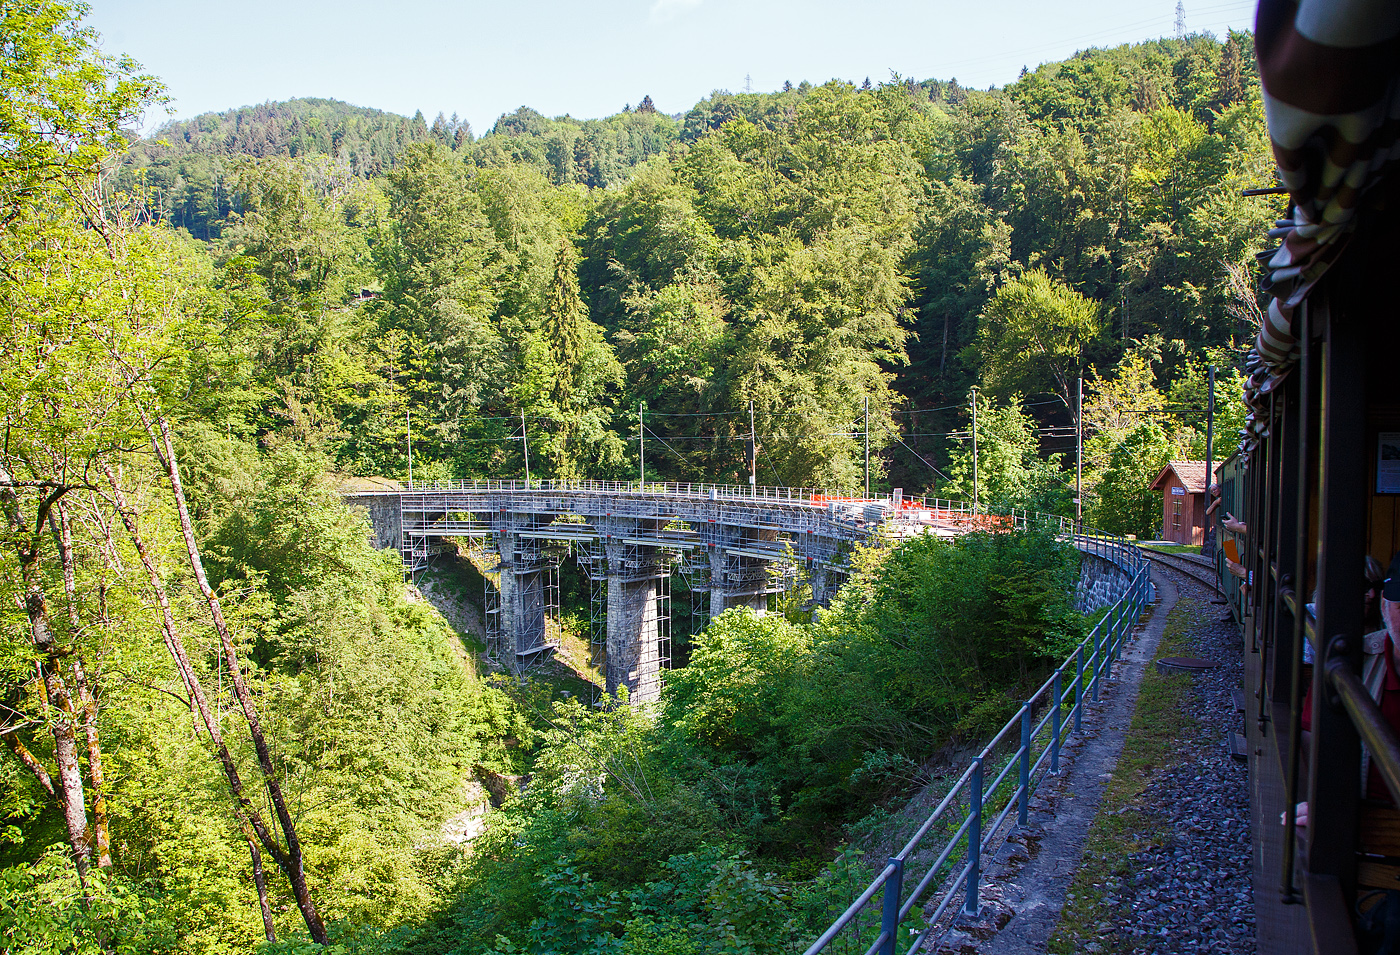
1030 874
1138 846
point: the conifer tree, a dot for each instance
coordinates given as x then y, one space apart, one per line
565 316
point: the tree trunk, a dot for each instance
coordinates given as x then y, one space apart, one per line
296 870
70 784
259 877
69 791
244 810
102 839
27 758
943 355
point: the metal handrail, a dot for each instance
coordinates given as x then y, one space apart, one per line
1103 645
1370 723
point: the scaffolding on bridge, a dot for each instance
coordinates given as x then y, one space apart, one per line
761 545
694 568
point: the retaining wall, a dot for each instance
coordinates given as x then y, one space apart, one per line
385 517
1102 582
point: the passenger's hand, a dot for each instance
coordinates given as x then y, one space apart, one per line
1300 813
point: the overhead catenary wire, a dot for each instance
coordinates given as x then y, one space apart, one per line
676 451
917 454
1046 435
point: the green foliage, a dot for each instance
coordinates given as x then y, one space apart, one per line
1126 502
802 250
63 103
43 912
1033 336
187 169
597 153
945 635
1010 469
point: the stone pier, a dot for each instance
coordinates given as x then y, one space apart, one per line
635 632
824 585
737 580
523 633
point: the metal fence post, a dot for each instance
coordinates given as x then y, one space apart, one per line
1125 620
1098 660
1023 811
889 915
1079 690
974 841
1055 728
1116 632
1125 623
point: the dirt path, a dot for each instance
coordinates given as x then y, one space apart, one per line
1025 886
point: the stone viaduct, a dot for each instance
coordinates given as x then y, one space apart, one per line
736 544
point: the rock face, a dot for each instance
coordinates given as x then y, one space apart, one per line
470 822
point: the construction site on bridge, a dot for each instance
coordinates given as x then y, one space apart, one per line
732 546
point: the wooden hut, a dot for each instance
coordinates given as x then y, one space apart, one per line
1183 487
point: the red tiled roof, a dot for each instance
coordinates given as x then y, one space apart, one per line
1192 475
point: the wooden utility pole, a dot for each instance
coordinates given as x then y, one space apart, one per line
975 490
641 446
525 440
1210 425
1208 537
867 447
408 417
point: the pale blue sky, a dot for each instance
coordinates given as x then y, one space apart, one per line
590 58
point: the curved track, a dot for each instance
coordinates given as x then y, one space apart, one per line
1197 572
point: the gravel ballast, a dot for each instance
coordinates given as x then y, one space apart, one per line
1191 891
1162 862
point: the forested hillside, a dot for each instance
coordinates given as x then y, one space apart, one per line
185 169
802 250
227 720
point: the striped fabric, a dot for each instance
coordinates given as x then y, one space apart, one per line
1331 78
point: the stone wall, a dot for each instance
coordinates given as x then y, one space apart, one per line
1102 582
384 516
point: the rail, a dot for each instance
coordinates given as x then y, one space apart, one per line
802 495
1370 723
959 857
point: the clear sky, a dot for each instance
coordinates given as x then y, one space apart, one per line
589 59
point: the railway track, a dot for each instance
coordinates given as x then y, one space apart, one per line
1184 565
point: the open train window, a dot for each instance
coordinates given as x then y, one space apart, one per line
1320 474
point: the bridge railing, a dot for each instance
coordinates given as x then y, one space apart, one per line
974 812
802 495
954 509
